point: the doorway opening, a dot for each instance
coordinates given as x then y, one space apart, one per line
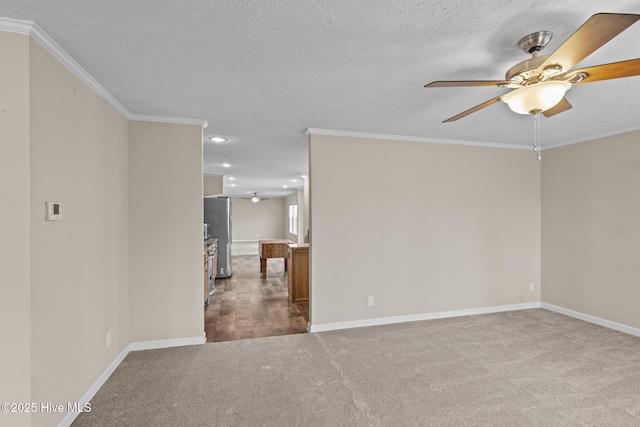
251 303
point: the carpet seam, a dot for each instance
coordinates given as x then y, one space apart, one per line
359 403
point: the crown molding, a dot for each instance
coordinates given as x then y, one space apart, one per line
54 48
590 138
426 140
32 29
164 119
350 134
16 26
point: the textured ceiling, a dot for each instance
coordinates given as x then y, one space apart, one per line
261 72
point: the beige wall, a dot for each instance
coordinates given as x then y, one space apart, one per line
256 221
591 228
15 232
302 228
307 210
79 264
165 231
213 185
421 227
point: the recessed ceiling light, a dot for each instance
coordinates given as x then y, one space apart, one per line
233 185
217 139
294 180
225 165
304 176
284 186
231 178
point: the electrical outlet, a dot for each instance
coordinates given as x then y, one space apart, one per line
532 286
108 339
370 301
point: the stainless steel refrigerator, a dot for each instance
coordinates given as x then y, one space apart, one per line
217 213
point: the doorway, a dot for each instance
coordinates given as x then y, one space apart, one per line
246 305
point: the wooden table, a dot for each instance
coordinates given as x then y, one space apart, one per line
276 248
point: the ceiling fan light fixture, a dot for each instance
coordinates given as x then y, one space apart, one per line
255 198
537 97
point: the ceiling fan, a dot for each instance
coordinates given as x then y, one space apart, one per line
539 83
255 198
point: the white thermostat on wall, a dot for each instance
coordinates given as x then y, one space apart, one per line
54 211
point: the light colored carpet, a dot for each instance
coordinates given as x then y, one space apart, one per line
520 368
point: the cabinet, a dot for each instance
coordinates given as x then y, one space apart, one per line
298 274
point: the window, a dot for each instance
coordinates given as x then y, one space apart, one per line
293 219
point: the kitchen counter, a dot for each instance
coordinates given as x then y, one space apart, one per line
298 245
298 275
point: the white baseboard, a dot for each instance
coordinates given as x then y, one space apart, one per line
71 416
593 319
134 346
415 317
175 342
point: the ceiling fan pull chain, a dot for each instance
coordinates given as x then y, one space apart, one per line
536 134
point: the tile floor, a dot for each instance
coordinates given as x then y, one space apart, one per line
247 306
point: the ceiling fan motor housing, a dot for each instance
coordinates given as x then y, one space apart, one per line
526 70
